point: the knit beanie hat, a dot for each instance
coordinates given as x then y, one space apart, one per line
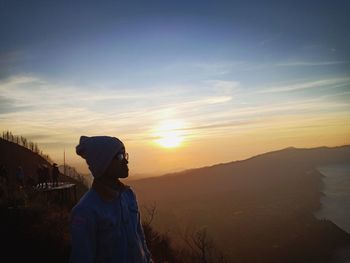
98 151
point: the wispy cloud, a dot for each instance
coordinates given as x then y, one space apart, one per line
310 63
66 109
66 112
329 83
9 57
8 105
270 39
218 68
224 86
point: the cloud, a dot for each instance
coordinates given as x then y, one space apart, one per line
220 125
270 39
8 61
8 105
311 63
328 83
224 86
10 57
64 109
218 68
30 90
210 108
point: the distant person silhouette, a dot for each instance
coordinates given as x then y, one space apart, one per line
4 181
45 175
30 182
55 174
3 174
20 176
39 173
105 224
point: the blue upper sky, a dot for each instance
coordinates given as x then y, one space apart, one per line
156 41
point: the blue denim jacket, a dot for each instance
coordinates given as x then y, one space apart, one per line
104 231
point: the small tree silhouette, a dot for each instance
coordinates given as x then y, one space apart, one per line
159 244
200 247
24 141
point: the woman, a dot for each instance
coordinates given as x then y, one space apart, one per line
106 224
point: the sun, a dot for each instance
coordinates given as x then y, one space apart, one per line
169 134
170 141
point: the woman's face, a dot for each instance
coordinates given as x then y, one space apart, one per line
118 168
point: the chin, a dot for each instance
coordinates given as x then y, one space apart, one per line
124 175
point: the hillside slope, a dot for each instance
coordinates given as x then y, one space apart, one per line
263 204
13 155
37 228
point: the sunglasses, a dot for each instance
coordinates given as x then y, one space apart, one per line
122 156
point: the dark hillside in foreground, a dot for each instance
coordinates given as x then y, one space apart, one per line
13 155
34 228
257 210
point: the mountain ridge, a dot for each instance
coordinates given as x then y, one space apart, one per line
265 202
261 155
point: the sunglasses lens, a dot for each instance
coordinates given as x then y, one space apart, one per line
122 156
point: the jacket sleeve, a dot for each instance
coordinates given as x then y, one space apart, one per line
83 236
140 231
143 240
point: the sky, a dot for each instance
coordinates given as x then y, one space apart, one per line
183 84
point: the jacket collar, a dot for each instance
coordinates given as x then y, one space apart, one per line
108 193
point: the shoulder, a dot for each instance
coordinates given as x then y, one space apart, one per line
129 192
130 198
86 205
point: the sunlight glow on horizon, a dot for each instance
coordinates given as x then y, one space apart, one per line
169 134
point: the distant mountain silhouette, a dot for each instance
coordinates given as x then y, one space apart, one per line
257 210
